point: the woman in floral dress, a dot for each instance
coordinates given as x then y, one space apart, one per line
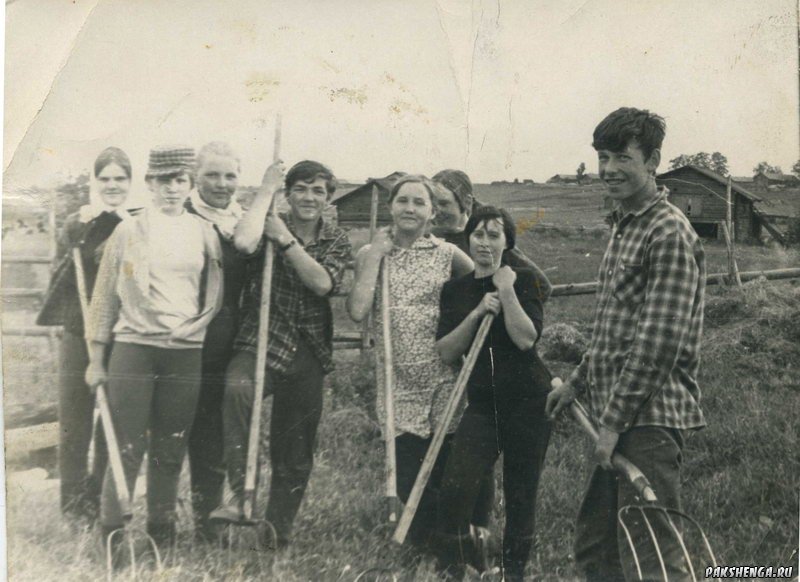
419 265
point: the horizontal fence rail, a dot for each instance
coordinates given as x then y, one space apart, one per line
359 340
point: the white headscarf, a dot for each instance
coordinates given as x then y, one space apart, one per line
97 206
224 218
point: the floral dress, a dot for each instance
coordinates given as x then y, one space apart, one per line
422 381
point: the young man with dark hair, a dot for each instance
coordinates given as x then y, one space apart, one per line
311 255
639 375
218 171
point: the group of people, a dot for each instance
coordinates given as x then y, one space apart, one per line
172 332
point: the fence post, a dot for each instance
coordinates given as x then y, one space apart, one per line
730 236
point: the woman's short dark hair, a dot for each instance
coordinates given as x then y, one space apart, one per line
412 179
308 171
486 213
627 123
112 155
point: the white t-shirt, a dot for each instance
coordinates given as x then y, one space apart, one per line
176 263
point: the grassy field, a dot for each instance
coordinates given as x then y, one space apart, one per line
741 478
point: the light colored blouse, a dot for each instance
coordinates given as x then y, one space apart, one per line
423 382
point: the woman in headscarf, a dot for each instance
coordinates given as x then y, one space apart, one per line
455 202
159 286
87 229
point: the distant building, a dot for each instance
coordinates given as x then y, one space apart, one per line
763 181
780 210
353 206
702 196
573 179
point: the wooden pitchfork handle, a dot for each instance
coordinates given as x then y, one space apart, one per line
623 466
114 456
261 358
438 436
392 501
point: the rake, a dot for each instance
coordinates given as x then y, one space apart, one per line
650 529
392 500
127 532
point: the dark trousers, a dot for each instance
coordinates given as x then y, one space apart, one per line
80 490
296 411
601 548
410 451
520 430
151 390
206 448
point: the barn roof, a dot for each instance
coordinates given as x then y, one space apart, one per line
722 180
783 203
384 183
779 177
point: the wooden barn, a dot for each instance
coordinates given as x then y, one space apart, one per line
701 195
353 207
765 181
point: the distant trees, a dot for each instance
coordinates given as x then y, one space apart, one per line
581 172
767 168
716 162
796 168
71 194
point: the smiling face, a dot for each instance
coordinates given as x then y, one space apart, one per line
113 184
627 174
412 208
487 243
448 217
308 199
217 179
170 192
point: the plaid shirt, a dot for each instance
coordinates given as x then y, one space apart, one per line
641 366
294 309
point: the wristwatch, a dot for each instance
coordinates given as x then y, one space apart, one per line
287 246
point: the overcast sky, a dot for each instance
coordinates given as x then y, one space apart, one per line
499 88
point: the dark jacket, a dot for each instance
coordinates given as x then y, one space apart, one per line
61 304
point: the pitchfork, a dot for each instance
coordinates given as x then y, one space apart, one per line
262 526
124 496
649 516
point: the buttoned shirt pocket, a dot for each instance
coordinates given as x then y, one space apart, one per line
630 285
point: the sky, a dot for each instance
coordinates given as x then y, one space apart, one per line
502 89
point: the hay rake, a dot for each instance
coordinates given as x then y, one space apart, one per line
124 497
651 530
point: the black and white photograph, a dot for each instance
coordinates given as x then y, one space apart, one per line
402 290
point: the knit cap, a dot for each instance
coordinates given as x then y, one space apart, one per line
169 160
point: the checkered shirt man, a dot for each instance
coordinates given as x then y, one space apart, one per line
294 308
641 366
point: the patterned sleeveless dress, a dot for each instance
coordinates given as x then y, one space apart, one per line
423 382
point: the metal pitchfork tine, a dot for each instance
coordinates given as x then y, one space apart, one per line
441 430
124 496
626 515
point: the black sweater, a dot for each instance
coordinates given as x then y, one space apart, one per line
502 370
